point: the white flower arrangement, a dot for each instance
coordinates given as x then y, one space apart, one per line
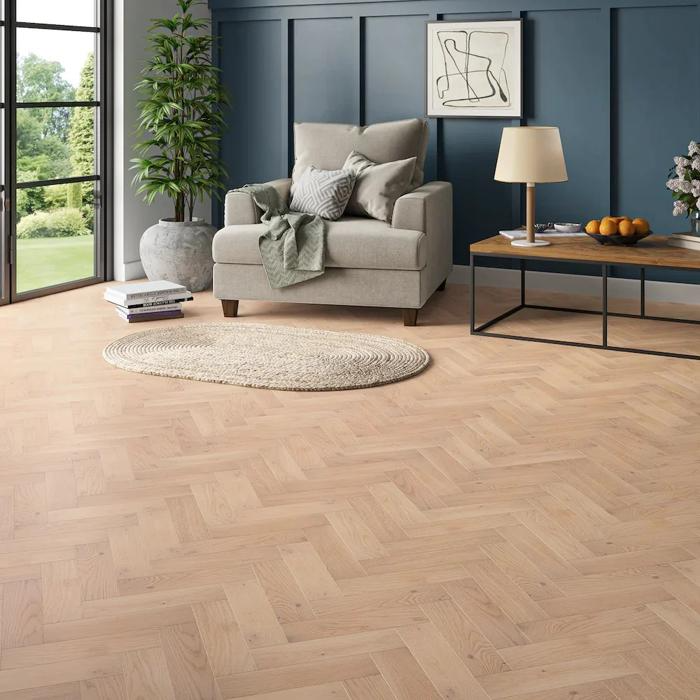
684 181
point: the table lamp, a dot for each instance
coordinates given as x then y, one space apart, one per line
530 154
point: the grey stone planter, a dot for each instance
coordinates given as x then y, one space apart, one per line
179 252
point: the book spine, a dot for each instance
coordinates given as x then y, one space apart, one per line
136 318
144 296
125 299
681 243
684 237
156 308
150 304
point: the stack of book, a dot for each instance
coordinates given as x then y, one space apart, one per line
521 233
684 240
148 301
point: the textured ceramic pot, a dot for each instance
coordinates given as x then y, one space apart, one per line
179 251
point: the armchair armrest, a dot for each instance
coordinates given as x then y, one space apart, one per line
428 209
239 207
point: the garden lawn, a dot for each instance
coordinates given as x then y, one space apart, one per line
42 262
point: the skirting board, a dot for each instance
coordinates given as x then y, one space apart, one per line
129 271
578 284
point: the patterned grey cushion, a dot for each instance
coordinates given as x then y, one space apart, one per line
323 192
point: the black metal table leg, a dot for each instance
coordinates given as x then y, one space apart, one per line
522 281
642 292
605 306
472 296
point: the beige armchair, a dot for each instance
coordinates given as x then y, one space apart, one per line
368 262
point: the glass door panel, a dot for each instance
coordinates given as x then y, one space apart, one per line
55 235
57 167
73 12
55 65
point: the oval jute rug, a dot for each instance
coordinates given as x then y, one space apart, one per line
268 357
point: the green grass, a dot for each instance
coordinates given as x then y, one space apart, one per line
42 262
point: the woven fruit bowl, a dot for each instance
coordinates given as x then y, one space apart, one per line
618 239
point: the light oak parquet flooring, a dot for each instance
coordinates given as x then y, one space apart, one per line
520 521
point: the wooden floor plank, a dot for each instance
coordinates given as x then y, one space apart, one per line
147 675
296 676
441 663
404 675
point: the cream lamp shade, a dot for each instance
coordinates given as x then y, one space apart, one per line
531 154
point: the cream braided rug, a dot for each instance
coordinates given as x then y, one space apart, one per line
268 357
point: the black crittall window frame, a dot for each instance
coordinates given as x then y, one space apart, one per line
103 151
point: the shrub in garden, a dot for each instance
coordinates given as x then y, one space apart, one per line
74 195
60 223
54 197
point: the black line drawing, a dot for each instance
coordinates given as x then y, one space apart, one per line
475 73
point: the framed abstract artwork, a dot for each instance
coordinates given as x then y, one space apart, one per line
475 69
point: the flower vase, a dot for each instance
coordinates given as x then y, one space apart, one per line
695 223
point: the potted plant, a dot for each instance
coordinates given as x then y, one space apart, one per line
180 123
684 182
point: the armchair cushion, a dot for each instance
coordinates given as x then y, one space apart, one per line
350 243
378 185
327 146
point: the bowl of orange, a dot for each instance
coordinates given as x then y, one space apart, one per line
618 230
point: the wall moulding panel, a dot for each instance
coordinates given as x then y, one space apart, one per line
600 71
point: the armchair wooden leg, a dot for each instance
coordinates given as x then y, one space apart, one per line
410 317
441 288
230 307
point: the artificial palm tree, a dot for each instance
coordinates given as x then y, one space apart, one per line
181 113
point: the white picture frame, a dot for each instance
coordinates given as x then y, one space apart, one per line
475 69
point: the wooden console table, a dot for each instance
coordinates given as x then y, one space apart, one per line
650 252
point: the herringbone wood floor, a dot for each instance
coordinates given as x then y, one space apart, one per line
520 521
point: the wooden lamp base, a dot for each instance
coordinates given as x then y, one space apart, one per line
530 241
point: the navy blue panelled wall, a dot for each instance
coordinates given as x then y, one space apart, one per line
621 81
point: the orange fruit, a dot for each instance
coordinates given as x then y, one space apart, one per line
618 219
608 227
593 226
626 228
641 225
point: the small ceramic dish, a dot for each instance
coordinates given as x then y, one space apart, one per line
567 228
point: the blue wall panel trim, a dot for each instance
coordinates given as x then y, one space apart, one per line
255 89
620 79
